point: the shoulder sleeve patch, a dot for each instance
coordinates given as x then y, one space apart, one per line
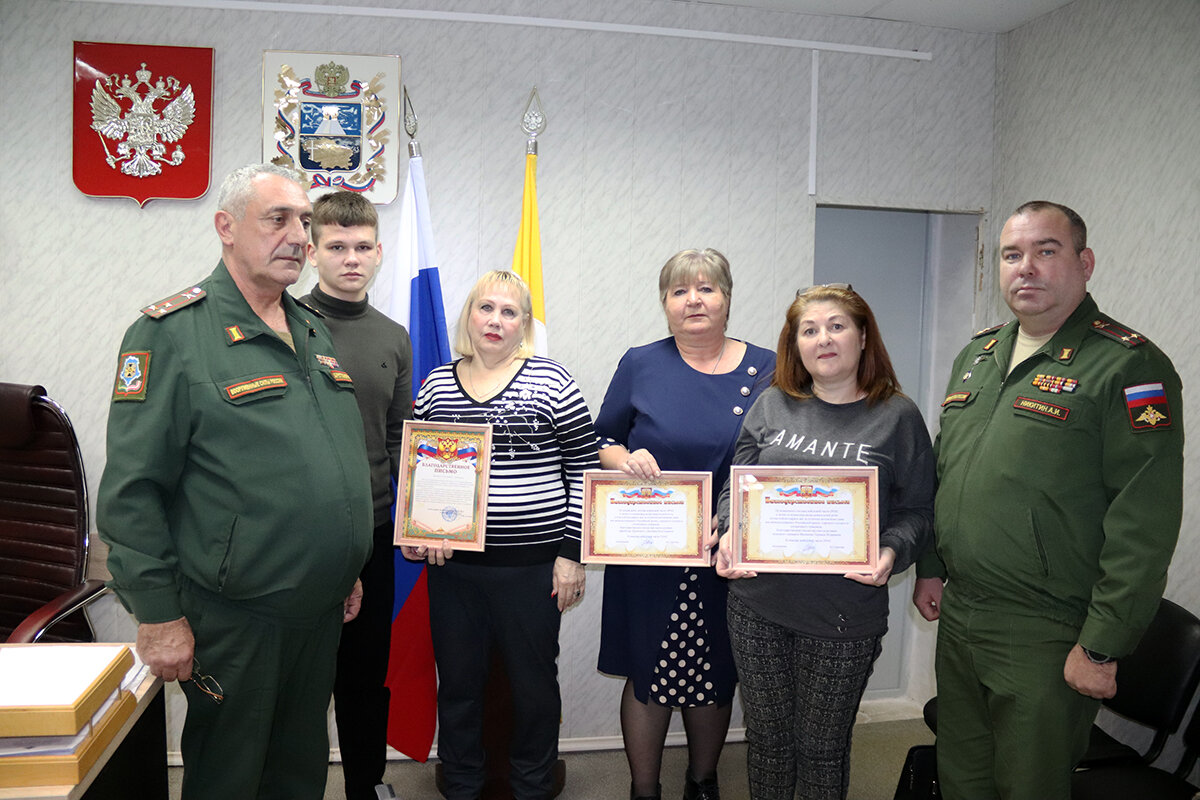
174 302
1147 405
988 331
1117 332
132 373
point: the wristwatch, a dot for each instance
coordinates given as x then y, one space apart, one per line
1096 658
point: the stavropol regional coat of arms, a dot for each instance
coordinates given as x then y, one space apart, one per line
142 131
331 124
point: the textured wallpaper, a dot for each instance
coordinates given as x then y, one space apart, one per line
653 144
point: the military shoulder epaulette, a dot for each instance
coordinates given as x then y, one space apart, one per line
987 331
175 302
310 307
1117 332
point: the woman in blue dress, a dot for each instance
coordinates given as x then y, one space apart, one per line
676 404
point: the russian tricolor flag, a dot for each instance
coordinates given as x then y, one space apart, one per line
1145 394
412 675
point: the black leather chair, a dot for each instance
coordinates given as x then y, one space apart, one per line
43 522
1139 780
1155 685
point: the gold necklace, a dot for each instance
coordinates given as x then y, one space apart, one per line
504 376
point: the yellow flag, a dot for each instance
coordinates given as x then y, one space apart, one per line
527 258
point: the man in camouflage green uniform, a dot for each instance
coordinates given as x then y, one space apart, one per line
1060 468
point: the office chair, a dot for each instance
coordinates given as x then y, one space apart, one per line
43 522
1155 684
1137 780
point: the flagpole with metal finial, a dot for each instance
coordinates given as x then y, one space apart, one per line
410 126
533 121
527 256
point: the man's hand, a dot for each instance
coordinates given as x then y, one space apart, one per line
167 648
353 603
1087 678
927 597
569 582
883 569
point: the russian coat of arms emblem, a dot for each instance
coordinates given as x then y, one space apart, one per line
143 121
142 131
328 115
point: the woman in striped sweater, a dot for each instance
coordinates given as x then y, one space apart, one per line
513 593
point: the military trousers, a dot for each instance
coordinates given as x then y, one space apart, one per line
1009 726
268 739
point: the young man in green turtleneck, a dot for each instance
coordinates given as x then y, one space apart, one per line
376 352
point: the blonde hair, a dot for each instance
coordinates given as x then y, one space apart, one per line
510 283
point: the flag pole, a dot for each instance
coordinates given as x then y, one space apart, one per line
527 256
416 303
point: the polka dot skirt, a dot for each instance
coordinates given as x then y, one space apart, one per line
682 676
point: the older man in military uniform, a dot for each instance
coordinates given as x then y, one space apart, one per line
1060 467
236 501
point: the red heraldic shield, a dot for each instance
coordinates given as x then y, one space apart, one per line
142 120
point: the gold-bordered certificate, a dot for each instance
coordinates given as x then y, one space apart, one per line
804 519
660 522
443 483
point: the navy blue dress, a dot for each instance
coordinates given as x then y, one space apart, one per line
688 420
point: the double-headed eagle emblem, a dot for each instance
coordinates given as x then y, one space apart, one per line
139 129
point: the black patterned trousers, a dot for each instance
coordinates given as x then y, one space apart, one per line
800 696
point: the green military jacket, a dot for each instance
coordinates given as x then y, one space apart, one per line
1061 486
233 462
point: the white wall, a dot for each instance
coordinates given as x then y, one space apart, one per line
1097 107
653 144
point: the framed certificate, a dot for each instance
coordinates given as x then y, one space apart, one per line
804 519
443 482
660 522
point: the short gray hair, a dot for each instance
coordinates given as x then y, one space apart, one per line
688 265
236 188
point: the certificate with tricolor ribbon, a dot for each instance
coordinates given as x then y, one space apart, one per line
442 485
660 522
804 519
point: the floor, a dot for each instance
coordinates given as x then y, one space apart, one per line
877 755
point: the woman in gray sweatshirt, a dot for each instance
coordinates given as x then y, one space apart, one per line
804 644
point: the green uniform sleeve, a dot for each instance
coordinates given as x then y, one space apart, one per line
1143 476
146 452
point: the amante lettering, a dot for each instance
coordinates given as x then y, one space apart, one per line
831 450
